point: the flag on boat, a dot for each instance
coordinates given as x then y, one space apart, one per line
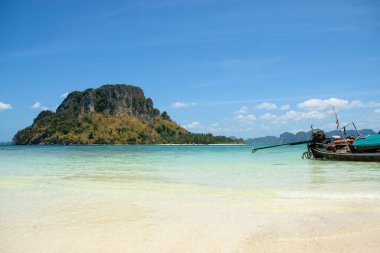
337 120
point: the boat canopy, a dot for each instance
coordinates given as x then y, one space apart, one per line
369 141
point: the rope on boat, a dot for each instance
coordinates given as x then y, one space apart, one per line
307 154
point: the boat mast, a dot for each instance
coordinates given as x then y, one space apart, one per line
359 133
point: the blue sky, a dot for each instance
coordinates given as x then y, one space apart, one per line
242 68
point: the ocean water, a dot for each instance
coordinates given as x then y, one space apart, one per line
273 172
61 198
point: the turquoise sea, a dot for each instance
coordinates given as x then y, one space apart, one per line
56 191
272 171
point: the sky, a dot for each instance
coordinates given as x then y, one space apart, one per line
235 68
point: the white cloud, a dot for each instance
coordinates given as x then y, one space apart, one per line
285 107
38 105
243 115
242 110
4 106
357 104
373 104
268 116
293 115
183 104
248 118
377 110
193 125
361 104
319 104
272 106
267 106
64 95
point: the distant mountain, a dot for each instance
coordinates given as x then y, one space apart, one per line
263 140
110 114
300 136
3 143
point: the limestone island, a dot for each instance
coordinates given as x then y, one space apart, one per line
110 114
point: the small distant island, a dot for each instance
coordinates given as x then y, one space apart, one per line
110 114
299 136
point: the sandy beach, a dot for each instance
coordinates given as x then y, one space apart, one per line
104 204
188 221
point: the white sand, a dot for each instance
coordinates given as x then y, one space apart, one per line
188 220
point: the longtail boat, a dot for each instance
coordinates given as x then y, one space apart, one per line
359 148
349 156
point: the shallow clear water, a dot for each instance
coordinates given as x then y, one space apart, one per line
184 199
278 172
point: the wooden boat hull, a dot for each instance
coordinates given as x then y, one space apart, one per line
322 153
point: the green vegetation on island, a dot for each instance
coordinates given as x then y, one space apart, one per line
111 114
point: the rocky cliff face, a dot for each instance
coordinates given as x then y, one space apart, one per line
111 114
110 99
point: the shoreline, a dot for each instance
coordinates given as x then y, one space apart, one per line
176 144
188 199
